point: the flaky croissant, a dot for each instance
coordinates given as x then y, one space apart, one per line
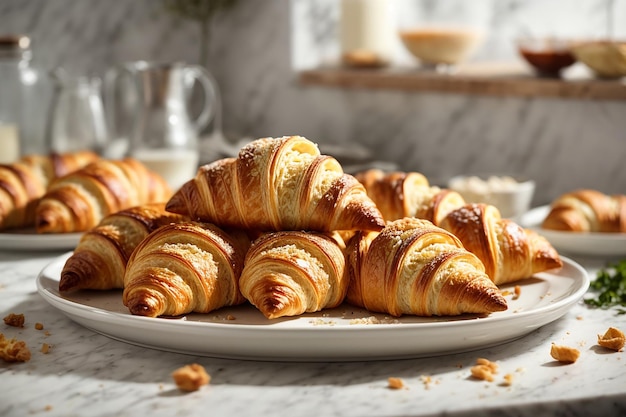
185 267
77 202
508 251
414 267
290 273
587 211
100 258
408 194
278 184
22 184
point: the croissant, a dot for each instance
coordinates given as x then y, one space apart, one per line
78 201
278 184
587 211
508 251
25 181
291 272
100 258
185 267
408 194
414 267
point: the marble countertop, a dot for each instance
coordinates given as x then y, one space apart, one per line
87 374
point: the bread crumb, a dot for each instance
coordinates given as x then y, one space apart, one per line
12 350
613 339
508 380
191 377
15 320
517 291
48 408
38 326
45 348
375 320
230 317
395 383
484 369
564 354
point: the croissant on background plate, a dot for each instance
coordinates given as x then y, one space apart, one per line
100 258
414 267
408 194
278 184
290 273
587 211
78 201
185 267
508 251
22 184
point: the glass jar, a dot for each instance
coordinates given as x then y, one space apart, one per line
14 56
367 33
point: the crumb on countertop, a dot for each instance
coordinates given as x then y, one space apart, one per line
12 350
38 326
395 383
15 320
613 339
484 369
564 354
191 377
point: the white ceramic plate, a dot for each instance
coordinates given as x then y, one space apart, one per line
341 334
576 243
27 240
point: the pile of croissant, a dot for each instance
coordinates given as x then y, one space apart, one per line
283 228
73 192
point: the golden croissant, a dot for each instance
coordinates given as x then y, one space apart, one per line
78 201
22 184
185 267
278 184
587 211
414 267
100 258
508 251
291 272
408 194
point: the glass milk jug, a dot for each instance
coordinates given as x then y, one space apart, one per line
76 121
163 135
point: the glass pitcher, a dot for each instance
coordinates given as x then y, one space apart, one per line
162 132
76 118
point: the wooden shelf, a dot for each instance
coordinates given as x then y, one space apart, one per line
485 79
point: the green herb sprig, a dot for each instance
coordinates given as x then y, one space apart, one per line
610 287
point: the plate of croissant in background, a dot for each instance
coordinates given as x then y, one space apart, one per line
582 222
277 254
48 201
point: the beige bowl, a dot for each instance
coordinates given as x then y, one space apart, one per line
606 58
440 45
512 196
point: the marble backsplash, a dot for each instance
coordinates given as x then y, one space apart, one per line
257 47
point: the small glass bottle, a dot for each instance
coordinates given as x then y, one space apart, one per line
14 56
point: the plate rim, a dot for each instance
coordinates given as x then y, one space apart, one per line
16 240
553 310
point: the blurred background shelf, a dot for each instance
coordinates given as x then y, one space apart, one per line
472 79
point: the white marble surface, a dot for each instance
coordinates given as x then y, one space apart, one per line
87 374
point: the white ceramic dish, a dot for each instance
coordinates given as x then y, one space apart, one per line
22 240
333 335
575 243
511 195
